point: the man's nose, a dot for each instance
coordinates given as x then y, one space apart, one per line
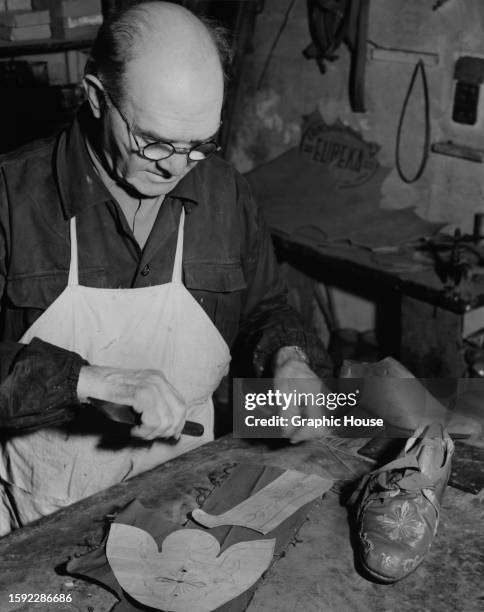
175 164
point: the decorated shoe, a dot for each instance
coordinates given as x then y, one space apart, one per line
398 505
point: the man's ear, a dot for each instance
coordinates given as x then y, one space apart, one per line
94 90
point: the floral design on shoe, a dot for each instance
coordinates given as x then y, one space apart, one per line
403 522
410 564
389 562
398 505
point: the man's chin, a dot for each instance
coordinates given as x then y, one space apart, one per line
150 188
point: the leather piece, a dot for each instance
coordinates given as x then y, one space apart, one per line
243 482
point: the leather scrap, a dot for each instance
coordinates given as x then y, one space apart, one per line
243 481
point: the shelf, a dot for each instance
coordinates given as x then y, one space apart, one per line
47 45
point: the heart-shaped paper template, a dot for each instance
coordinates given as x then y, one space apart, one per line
187 574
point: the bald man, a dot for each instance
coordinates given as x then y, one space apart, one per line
131 259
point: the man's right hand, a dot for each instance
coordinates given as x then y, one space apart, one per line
161 408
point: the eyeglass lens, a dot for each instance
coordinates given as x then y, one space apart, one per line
161 150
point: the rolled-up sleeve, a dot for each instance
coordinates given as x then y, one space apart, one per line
40 389
38 381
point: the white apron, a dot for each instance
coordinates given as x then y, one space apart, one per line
160 327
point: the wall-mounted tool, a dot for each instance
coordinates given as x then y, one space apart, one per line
376 52
332 22
468 74
452 149
418 70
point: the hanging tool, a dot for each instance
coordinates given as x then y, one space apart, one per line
332 22
419 69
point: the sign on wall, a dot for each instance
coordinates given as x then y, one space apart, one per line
351 161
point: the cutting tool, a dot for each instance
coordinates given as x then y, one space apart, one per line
124 413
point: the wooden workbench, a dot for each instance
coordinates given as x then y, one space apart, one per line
421 321
317 572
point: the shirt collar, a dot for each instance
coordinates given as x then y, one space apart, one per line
80 185
189 190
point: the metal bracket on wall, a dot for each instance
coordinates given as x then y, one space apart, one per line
401 56
455 150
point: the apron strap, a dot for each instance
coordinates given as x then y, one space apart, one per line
177 276
73 266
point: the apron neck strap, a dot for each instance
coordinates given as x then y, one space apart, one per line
73 267
177 276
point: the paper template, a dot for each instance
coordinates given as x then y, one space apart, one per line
187 574
272 505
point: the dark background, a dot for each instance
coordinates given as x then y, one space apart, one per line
32 108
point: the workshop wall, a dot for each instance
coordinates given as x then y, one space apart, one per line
269 111
270 106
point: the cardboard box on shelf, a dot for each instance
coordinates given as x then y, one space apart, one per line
24 19
61 9
18 5
79 33
77 22
75 28
35 32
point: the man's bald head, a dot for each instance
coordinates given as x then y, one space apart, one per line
155 77
160 34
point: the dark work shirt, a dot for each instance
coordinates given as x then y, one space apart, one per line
228 264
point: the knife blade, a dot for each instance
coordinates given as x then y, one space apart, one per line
124 413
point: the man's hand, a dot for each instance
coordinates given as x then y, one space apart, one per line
162 410
292 373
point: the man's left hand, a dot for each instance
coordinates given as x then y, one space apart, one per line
293 374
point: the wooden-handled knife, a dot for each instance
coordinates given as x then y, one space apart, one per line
124 413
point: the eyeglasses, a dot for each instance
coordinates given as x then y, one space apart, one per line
156 151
